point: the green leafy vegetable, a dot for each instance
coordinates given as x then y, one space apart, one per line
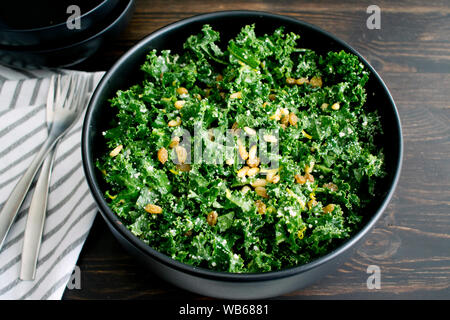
212 214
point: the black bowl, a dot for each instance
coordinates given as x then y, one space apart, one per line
207 282
39 23
70 53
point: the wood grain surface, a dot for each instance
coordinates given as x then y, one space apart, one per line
411 243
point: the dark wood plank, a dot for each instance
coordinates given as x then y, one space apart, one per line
411 242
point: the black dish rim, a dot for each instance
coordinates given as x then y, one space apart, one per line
114 220
55 26
127 4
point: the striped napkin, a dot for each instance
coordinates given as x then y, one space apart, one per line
71 209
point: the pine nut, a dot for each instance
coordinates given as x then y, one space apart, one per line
270 138
174 123
179 104
260 206
290 80
153 209
301 81
335 106
329 208
300 179
181 154
243 152
182 90
212 218
116 151
316 81
293 119
259 183
261 191
163 155
242 172
252 171
236 95
250 131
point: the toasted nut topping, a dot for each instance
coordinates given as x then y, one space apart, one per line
300 179
183 167
329 208
219 77
316 81
212 218
236 95
331 186
243 152
259 183
163 155
324 106
252 171
290 81
270 138
116 151
181 154
252 152
245 189
250 131
260 206
261 191
153 209
301 81
243 171
175 141
335 106
309 177
276 179
179 104
182 90
272 97
253 162
293 119
174 123
270 176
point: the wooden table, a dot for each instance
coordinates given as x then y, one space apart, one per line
411 243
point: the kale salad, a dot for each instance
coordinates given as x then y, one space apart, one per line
292 139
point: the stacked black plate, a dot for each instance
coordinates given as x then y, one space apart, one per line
58 33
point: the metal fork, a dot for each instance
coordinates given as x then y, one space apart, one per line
68 92
38 206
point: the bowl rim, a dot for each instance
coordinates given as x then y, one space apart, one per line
114 220
127 6
55 26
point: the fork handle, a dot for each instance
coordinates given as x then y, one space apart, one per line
14 201
35 221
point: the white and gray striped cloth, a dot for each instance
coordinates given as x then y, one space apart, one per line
71 208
